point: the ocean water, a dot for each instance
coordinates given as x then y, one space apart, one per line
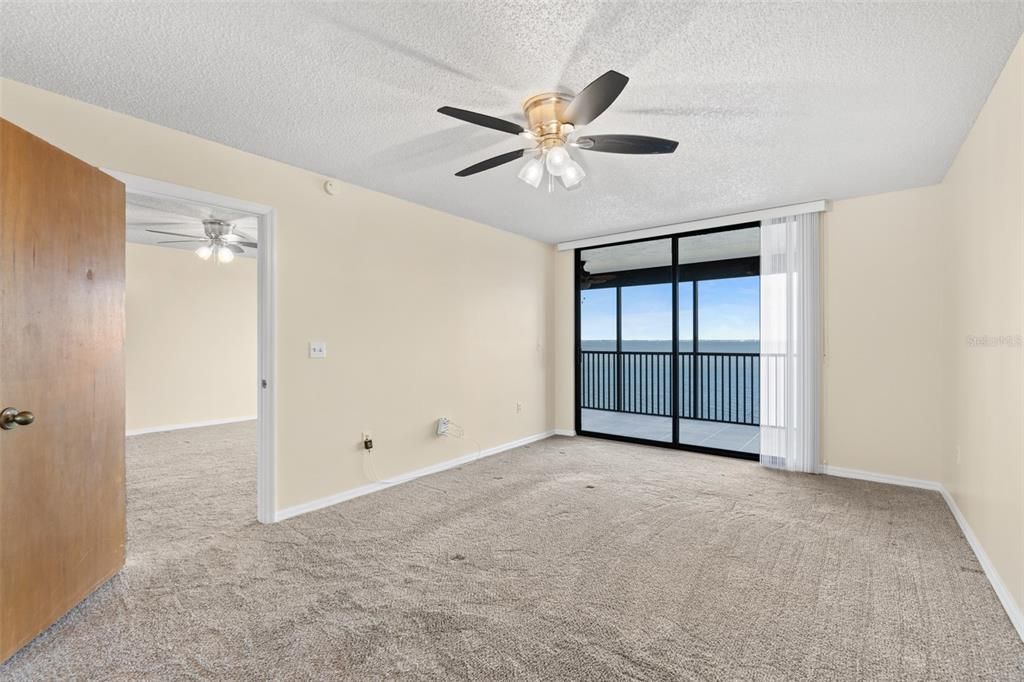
716 385
708 346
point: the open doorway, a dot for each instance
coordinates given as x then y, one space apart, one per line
198 352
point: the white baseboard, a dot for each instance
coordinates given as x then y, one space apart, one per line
880 478
330 500
564 432
193 425
1013 610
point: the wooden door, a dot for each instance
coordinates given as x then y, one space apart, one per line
62 497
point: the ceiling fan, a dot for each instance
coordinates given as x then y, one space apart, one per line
222 238
553 119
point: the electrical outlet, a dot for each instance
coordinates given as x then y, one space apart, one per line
519 407
318 349
442 426
367 441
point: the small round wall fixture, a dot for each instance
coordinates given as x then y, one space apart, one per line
331 187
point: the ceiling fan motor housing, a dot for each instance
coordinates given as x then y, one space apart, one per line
216 228
544 113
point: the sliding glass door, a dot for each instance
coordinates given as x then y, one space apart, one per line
718 272
647 358
625 358
667 348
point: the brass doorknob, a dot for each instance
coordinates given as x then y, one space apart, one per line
11 417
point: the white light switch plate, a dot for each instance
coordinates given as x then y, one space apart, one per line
318 349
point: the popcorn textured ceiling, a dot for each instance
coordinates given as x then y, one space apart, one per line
772 103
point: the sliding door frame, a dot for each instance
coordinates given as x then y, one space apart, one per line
674 383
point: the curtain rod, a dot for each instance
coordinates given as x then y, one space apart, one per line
688 226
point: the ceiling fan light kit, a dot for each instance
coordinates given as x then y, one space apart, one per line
222 238
553 118
224 253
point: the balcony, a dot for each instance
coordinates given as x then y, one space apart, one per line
628 393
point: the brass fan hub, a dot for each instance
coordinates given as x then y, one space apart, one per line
544 115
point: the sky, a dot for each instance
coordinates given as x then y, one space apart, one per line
729 310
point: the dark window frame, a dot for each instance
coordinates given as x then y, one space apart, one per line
697 272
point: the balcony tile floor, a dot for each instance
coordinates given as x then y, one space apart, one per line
738 437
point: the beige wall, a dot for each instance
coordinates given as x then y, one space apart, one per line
984 199
565 342
190 350
924 306
886 308
424 314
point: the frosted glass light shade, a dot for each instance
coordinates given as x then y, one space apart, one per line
532 172
573 174
557 160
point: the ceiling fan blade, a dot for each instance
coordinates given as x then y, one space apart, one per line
594 98
243 235
181 241
482 120
627 144
235 248
491 163
149 224
177 234
251 245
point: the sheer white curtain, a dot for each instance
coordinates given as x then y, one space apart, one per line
791 343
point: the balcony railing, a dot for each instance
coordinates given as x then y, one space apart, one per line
719 387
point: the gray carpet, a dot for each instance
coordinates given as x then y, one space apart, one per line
568 559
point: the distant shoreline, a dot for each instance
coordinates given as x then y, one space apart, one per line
665 346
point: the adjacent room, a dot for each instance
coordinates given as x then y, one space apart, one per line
190 286
500 340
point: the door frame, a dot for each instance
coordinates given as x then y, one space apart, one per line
266 311
674 238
